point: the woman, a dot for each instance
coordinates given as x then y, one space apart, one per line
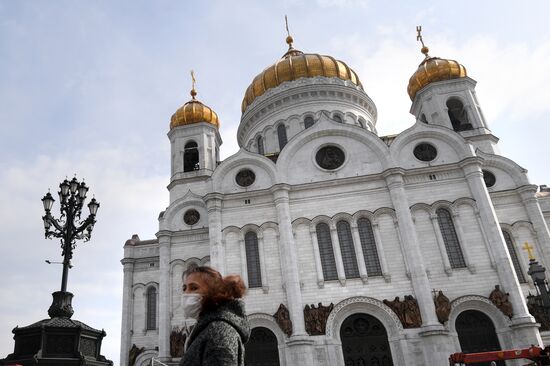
222 329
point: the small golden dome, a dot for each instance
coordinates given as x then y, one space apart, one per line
433 69
295 65
194 112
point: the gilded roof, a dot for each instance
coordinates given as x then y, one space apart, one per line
434 69
295 65
192 112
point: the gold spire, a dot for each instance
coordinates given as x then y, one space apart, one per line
193 81
529 249
289 38
424 49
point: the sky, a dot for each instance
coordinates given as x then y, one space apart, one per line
88 88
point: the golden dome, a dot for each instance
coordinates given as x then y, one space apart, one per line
433 69
194 112
294 65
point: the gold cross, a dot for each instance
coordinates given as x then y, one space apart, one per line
529 249
419 34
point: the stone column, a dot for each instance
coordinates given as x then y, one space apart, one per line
217 250
317 254
164 295
263 264
299 344
380 251
359 253
337 254
436 341
441 245
127 309
523 323
536 217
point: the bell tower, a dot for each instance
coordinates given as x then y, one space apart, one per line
195 142
444 95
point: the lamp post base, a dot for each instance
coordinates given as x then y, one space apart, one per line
61 306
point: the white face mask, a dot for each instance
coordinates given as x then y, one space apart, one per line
191 305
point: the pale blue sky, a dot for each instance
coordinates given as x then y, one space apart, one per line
88 87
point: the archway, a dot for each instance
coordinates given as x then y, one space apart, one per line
261 349
476 333
365 341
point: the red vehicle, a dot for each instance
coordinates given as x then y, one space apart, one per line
536 354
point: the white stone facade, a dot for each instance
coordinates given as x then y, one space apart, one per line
381 180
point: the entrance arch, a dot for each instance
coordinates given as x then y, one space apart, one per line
261 349
365 341
476 333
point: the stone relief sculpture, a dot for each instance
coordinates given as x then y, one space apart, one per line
500 299
316 318
282 317
178 336
442 307
134 353
407 311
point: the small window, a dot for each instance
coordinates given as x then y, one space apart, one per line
151 308
361 123
281 134
458 115
489 178
330 157
308 122
252 260
245 177
260 143
191 217
326 252
425 152
337 118
450 239
190 157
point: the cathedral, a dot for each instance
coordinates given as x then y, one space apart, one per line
357 249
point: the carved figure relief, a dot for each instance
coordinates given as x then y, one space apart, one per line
316 318
134 353
282 317
407 311
442 307
500 299
178 336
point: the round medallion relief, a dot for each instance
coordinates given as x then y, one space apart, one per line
330 157
191 217
425 152
489 178
245 177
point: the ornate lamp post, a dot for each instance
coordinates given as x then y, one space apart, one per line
539 305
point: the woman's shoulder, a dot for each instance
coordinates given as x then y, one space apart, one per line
221 329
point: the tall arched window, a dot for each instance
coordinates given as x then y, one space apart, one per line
326 252
366 235
347 249
151 308
253 260
190 157
452 245
281 133
308 122
458 115
514 255
260 143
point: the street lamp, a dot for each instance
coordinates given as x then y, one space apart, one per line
69 227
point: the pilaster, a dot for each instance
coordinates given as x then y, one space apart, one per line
214 203
127 309
164 295
536 217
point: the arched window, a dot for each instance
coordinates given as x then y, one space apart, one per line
261 348
458 115
260 143
281 133
347 249
190 157
151 308
423 118
366 235
252 260
337 118
514 255
361 122
452 245
476 333
308 122
325 250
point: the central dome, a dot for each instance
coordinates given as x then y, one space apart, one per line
295 65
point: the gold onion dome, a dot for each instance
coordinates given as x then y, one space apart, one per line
433 69
194 112
295 65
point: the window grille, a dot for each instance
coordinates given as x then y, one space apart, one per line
452 245
368 244
253 260
514 255
326 252
281 133
190 157
151 308
347 249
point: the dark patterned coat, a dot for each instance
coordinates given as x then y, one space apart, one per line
218 338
